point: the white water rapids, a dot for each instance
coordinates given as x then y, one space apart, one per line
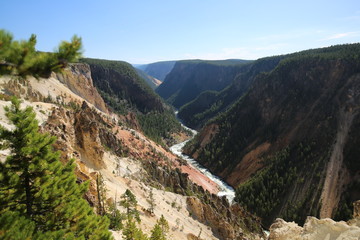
225 189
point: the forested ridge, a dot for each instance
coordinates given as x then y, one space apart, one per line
210 103
290 114
124 91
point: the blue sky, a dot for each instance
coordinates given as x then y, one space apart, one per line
143 31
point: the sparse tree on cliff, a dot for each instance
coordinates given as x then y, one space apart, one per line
156 233
160 229
20 58
129 202
101 193
151 201
37 190
131 232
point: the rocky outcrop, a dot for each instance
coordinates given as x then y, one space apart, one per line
227 222
315 229
282 230
170 178
205 214
81 135
61 124
77 77
87 132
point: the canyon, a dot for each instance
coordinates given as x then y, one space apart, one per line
287 141
282 131
102 143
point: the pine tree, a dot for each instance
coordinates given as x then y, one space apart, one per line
20 58
17 227
157 233
131 232
130 203
115 216
36 188
151 201
101 193
164 224
160 229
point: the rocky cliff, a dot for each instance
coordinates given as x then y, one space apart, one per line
286 142
77 77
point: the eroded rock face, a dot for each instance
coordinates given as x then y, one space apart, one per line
282 230
227 222
61 124
77 77
329 229
87 137
80 135
205 214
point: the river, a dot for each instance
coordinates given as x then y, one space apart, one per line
225 189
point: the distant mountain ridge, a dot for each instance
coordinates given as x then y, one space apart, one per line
189 78
150 80
158 70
